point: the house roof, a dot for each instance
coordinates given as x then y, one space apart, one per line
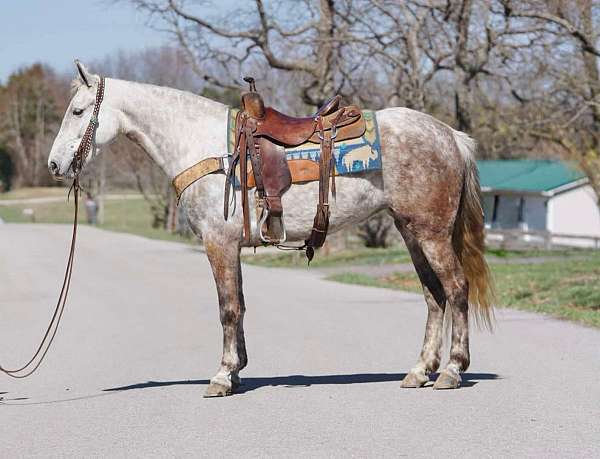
531 175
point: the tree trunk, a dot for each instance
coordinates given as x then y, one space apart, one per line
462 77
590 62
325 49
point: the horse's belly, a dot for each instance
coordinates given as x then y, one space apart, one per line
357 198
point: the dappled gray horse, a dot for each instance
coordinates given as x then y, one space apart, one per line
428 183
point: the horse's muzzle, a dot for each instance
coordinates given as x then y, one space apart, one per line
53 168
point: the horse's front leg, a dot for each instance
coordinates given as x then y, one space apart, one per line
224 257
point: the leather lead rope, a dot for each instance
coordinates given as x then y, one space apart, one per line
78 161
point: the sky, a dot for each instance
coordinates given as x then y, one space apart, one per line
58 31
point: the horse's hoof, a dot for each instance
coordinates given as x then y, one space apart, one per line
414 380
217 390
447 380
236 381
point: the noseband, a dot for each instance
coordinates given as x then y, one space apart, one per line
79 158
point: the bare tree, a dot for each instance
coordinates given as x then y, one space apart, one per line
251 34
374 232
566 113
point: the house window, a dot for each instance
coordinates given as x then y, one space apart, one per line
521 211
495 210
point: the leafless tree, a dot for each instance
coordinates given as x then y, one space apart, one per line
374 232
248 35
565 107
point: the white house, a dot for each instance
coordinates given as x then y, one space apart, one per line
544 196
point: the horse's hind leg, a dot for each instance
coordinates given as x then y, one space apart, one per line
225 262
429 359
443 260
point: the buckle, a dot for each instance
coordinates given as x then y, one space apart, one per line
333 133
225 162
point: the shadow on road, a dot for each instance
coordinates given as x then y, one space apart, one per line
252 383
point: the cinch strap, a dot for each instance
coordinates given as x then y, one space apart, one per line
197 171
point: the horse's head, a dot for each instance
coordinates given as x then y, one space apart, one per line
76 120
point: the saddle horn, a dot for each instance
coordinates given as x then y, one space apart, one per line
251 82
252 102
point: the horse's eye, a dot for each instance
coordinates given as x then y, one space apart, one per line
77 111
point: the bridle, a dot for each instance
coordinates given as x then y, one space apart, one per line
87 140
79 158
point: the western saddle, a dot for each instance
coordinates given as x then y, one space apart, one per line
261 135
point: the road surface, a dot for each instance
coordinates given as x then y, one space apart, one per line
141 337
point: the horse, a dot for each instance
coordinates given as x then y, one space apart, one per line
428 182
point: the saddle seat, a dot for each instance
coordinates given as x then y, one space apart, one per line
253 104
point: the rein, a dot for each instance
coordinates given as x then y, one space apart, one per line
79 158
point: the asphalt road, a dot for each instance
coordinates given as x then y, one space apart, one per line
141 337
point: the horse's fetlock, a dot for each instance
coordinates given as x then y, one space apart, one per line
461 360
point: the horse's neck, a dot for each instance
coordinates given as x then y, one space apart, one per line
176 128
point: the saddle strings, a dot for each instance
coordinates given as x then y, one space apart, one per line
76 165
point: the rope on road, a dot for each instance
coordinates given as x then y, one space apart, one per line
38 357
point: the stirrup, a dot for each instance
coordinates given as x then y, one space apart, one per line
265 238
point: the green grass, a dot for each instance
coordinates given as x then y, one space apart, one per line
361 256
394 255
533 253
127 216
33 192
46 192
568 289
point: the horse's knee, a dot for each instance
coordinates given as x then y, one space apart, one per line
230 317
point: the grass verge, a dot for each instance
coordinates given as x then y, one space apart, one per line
389 256
568 289
361 256
124 215
34 192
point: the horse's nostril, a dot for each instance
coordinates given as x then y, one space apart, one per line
53 167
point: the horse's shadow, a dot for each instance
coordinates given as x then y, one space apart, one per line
291 381
252 383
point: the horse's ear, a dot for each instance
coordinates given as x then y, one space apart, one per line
85 76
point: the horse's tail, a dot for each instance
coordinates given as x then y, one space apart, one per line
468 238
